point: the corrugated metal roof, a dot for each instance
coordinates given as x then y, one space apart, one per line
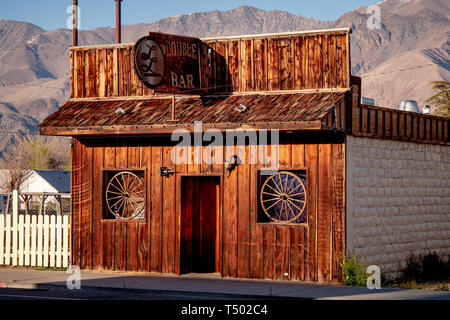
218 109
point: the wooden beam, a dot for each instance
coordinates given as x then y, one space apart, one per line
315 125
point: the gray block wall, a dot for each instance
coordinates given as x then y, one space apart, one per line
398 201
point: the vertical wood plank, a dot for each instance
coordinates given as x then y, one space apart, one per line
325 65
394 125
108 244
220 63
246 65
59 240
132 246
380 123
364 120
340 44
21 240
286 65
86 208
40 243
270 233
305 62
102 66
299 76
72 75
156 210
168 235
311 162
338 209
46 241
66 236
388 124
401 125
52 240
33 248
273 74
111 74
318 63
260 65
120 246
324 214
256 231
297 237
373 122
134 89
144 229
14 229
332 62
114 92
229 227
97 214
88 77
243 262
27 239
233 65
408 125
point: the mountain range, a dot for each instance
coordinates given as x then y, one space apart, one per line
396 61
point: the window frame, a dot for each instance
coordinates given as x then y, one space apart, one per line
257 207
104 209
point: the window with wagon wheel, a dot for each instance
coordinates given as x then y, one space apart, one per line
282 197
124 195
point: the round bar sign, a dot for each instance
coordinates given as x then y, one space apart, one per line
149 62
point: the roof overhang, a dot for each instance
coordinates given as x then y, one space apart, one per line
293 111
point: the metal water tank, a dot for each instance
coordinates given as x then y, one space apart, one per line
409 105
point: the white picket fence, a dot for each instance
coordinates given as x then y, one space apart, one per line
35 237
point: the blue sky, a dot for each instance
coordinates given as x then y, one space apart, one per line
51 14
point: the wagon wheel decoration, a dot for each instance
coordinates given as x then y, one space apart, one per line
125 195
283 197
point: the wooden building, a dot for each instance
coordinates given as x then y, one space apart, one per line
143 202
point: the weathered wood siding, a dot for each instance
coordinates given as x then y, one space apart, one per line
246 248
391 124
268 63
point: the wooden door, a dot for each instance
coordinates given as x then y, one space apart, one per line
198 224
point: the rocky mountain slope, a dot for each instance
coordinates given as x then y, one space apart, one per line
397 61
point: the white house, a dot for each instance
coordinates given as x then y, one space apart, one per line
42 181
46 181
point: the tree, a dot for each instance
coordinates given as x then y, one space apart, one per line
30 153
441 100
15 161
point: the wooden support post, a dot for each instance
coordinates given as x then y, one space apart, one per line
118 22
75 22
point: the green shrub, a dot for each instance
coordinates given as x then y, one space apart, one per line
353 272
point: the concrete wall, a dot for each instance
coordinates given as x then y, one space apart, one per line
398 201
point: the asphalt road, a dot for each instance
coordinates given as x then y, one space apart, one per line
65 294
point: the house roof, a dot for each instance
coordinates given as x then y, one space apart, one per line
153 115
58 179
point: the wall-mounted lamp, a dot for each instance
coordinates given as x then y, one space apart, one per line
232 163
166 172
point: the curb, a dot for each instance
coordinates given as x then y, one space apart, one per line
18 285
193 294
